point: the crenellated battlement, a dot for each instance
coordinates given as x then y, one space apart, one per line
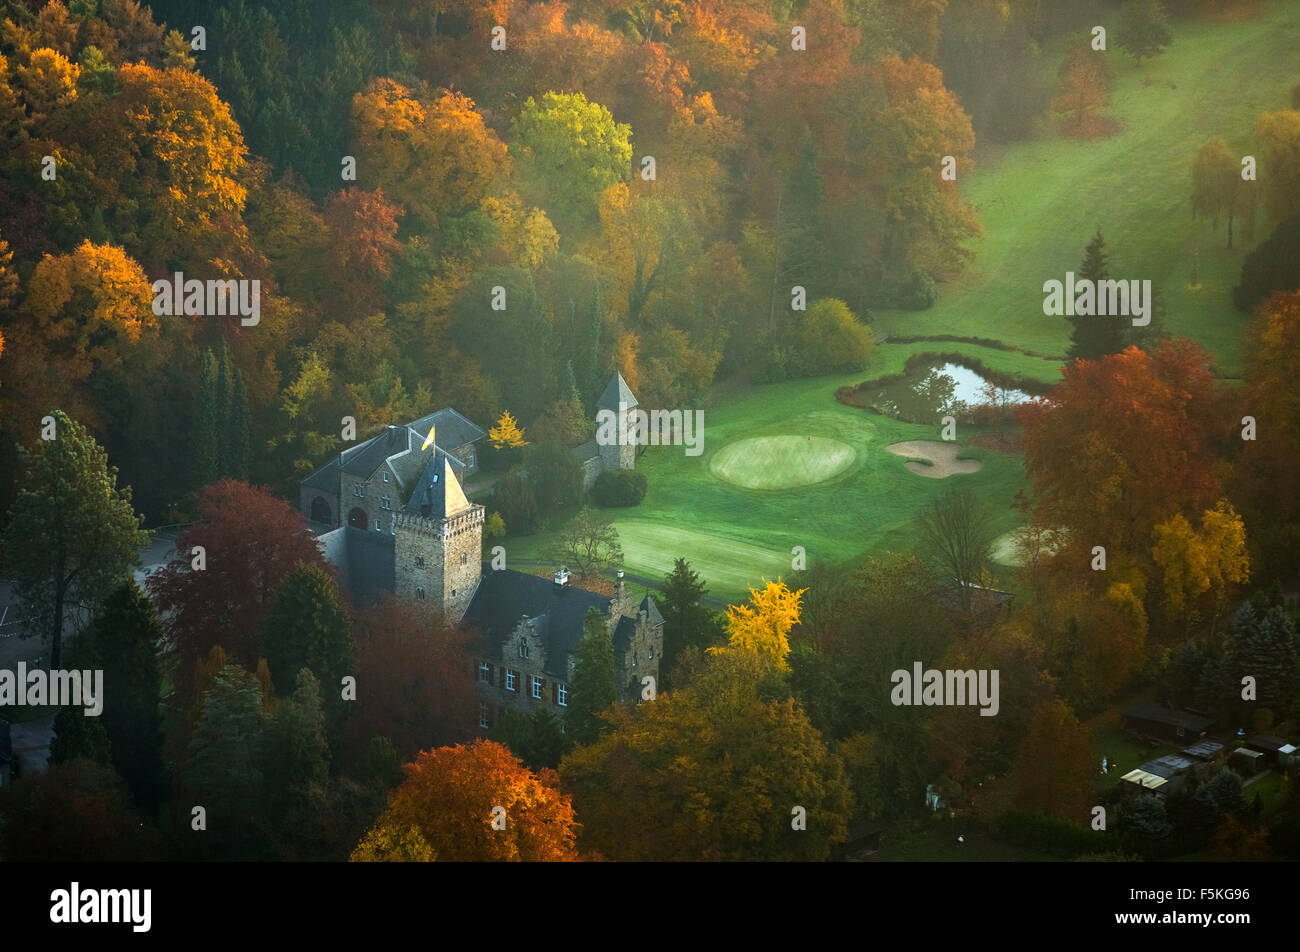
458 524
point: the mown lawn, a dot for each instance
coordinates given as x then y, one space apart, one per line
1040 201
735 537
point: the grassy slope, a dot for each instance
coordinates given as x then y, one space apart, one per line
1041 201
734 537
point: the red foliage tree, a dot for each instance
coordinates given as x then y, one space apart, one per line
414 681
251 542
1124 443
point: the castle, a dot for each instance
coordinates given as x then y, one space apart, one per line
410 529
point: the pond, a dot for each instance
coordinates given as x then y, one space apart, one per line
932 392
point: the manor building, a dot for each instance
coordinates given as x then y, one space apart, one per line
392 514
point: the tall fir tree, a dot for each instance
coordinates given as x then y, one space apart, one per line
308 628
223 411
203 450
797 229
1095 336
593 688
124 641
686 619
237 467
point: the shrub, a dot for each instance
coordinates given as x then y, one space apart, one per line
516 502
619 487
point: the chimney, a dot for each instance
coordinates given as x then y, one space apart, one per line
562 577
618 589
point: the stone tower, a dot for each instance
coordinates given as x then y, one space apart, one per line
438 540
618 399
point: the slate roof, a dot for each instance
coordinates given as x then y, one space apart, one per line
503 597
401 445
437 493
1205 750
616 392
652 611
365 559
1270 743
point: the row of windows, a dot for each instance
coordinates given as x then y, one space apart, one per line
536 686
464 560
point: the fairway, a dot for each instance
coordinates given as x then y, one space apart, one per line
781 462
863 503
1040 201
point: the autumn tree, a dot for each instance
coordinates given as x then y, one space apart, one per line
450 796
719 769
506 433
90 306
763 626
362 245
556 475
411 683
77 812
434 156
1268 468
1082 87
72 535
570 151
1054 771
175 158
588 542
1122 444
1218 188
251 542
1204 562
1143 30
955 526
1279 133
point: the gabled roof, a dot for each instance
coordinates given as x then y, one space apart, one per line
586 451
616 392
402 446
453 430
506 596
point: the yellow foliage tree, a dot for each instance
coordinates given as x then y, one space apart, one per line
763 626
88 303
48 82
507 433
1195 563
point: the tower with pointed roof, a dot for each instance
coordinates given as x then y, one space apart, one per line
438 542
619 399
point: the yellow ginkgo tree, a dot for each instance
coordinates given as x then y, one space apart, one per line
507 433
763 626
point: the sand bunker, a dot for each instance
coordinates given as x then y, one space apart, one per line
942 456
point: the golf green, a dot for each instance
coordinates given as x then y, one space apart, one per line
781 462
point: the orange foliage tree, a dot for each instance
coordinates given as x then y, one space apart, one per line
449 797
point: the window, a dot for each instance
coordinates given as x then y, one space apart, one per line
383 503
652 654
523 647
537 688
510 680
564 695
464 558
482 715
359 490
469 459
419 593
419 561
379 525
634 659
385 475
484 670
